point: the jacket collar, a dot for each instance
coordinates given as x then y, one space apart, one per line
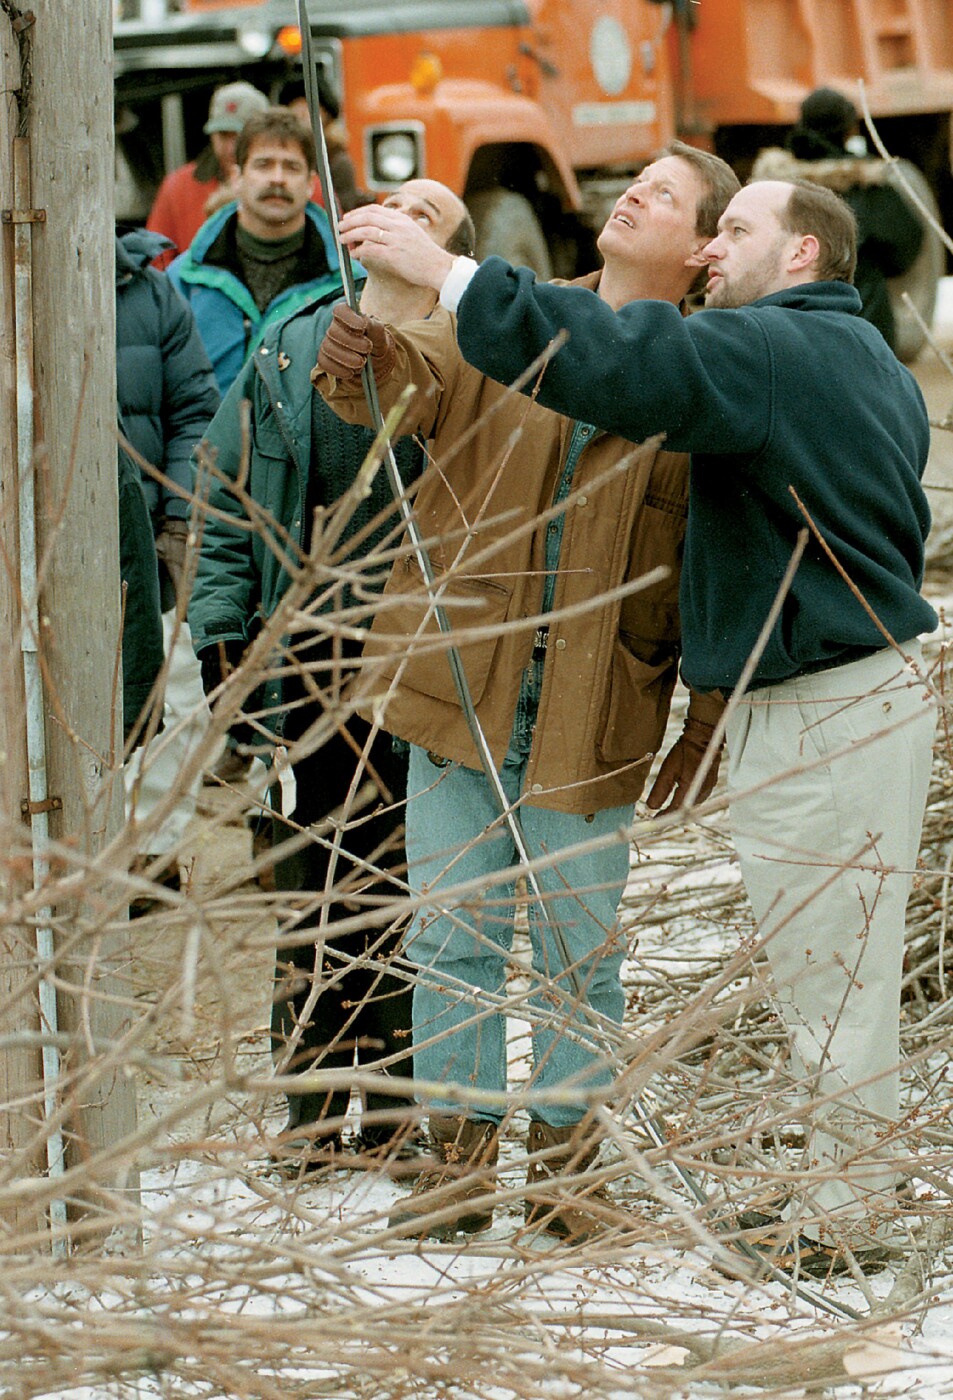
136 249
212 227
814 296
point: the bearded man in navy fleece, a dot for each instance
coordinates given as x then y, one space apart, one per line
778 387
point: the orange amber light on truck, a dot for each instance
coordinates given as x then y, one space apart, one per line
425 73
288 40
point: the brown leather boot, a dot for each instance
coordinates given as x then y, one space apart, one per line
569 1207
462 1180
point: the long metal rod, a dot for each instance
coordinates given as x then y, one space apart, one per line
653 1126
32 678
393 475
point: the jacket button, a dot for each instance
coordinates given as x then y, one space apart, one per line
537 787
560 643
582 501
279 404
263 350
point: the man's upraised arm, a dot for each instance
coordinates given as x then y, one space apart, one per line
642 370
423 355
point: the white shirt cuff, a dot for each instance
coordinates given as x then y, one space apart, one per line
456 282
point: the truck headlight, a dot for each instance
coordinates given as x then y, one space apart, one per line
395 156
255 42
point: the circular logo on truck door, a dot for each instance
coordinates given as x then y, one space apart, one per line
611 55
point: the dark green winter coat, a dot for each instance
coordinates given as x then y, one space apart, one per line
302 456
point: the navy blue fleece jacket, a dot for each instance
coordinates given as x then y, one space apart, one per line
793 391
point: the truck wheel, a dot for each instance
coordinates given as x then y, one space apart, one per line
919 281
506 224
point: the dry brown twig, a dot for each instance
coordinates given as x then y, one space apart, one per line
248 1284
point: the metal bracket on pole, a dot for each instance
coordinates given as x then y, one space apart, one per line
23 216
48 804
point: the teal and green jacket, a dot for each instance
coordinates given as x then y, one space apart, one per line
229 322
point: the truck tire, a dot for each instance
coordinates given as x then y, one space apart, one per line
919 281
506 224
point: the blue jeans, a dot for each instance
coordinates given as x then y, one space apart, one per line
460 944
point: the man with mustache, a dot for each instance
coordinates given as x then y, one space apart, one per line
262 256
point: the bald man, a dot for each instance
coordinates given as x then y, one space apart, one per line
301 457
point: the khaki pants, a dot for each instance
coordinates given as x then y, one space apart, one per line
827 849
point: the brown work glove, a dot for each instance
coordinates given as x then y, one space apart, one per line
171 542
350 340
680 765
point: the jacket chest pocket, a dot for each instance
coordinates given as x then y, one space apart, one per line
651 615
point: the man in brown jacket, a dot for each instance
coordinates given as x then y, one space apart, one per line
540 530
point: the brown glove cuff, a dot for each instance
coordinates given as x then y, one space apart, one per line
706 706
697 733
384 349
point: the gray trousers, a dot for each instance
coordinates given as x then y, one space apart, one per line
828 777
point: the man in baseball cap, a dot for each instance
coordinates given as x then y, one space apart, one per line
230 108
188 196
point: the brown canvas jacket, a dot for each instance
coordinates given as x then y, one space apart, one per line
611 665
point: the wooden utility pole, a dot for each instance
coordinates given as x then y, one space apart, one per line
63 75
20 1068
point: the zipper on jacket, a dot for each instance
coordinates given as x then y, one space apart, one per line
265 352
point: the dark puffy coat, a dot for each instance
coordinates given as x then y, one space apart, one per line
166 396
142 648
165 386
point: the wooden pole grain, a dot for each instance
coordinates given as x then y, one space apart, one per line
58 131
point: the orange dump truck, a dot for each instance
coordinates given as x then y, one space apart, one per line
539 111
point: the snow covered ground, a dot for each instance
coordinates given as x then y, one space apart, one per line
232 1248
